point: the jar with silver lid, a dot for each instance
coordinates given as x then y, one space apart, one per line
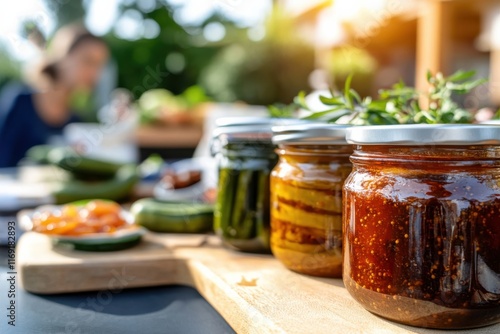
246 155
421 224
306 197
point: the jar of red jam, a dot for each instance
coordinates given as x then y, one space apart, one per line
422 224
306 197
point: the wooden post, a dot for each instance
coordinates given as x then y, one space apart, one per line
433 40
492 14
494 82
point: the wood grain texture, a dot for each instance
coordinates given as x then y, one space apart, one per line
168 136
254 293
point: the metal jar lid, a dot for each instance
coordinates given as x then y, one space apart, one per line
249 131
250 126
491 122
424 134
310 134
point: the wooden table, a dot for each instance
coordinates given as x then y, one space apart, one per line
168 136
254 293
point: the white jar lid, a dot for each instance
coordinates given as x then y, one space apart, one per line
424 134
310 134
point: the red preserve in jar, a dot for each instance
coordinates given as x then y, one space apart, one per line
421 224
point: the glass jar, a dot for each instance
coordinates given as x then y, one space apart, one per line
306 198
422 224
246 155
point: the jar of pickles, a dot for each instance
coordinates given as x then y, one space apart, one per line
422 224
306 197
246 155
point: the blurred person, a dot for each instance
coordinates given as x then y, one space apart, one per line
32 114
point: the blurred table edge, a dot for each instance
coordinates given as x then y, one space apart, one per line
253 293
156 136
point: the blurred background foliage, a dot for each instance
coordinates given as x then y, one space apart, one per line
66 11
265 69
9 69
349 60
172 60
260 51
271 70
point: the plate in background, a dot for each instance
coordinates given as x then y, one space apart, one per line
208 168
120 239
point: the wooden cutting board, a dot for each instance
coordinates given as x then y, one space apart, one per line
254 293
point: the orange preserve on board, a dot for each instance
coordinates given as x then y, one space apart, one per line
422 224
306 197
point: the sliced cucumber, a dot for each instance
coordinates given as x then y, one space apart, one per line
166 217
115 189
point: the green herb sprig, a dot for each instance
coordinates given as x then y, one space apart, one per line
497 115
280 110
399 105
349 107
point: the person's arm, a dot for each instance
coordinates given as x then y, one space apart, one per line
11 132
9 135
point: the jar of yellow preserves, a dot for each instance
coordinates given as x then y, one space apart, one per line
422 224
306 197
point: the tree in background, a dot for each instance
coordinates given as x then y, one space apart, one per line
236 67
172 60
9 68
345 61
66 11
263 72
271 70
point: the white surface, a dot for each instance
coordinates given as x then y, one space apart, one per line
4 220
220 110
15 195
209 176
110 142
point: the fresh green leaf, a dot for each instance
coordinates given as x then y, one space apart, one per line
377 105
355 96
331 101
347 91
473 84
424 117
460 76
335 116
367 101
282 110
300 100
321 114
415 106
497 114
429 76
375 117
401 104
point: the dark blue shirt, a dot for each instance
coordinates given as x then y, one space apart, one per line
20 125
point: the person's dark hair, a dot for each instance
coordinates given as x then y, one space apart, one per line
50 71
84 37
66 41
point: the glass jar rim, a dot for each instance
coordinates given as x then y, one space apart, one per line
424 134
310 134
250 126
241 130
314 150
